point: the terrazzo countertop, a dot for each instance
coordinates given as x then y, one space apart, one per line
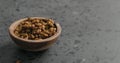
91 30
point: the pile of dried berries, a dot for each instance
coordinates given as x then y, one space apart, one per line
34 29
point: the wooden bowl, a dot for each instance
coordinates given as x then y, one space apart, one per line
33 45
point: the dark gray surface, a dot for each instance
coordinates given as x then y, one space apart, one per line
91 30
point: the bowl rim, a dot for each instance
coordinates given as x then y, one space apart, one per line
16 23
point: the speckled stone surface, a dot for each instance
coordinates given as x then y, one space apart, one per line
91 30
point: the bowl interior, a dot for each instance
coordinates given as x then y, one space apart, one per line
16 23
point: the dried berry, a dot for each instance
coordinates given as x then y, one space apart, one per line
35 29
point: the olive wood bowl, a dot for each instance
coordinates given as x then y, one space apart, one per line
33 45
